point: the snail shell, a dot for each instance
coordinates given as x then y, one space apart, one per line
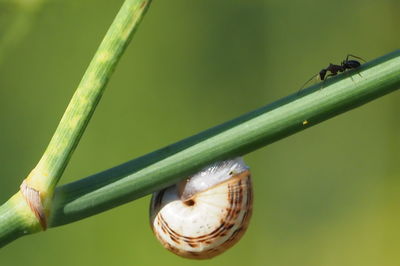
206 214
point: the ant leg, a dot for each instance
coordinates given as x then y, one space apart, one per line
330 75
350 55
326 77
356 70
334 69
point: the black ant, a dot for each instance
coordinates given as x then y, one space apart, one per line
336 69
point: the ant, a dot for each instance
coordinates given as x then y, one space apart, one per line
336 69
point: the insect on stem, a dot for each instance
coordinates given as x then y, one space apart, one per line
333 70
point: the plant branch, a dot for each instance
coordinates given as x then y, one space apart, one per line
26 212
79 111
247 133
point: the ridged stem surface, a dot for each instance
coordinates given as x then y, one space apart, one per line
244 134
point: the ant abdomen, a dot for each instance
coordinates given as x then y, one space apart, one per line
351 64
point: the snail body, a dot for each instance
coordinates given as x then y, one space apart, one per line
203 216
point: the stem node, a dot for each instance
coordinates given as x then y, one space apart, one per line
34 200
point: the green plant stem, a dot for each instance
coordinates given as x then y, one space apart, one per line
24 214
79 111
251 131
16 219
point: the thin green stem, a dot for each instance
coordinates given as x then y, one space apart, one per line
247 133
27 210
78 113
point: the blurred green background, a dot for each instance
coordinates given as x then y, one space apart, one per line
326 196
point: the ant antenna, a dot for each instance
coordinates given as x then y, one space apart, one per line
302 87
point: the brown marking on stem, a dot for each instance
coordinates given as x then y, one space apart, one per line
32 197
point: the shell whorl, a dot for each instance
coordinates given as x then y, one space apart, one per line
201 218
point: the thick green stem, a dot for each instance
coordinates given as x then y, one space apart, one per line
16 219
251 131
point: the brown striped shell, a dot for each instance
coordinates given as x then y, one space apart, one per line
203 224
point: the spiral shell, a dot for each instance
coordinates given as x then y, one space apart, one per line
206 214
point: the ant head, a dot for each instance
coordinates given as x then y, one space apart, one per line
322 74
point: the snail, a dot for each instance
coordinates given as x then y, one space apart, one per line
206 214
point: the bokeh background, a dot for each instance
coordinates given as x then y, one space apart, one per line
326 196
